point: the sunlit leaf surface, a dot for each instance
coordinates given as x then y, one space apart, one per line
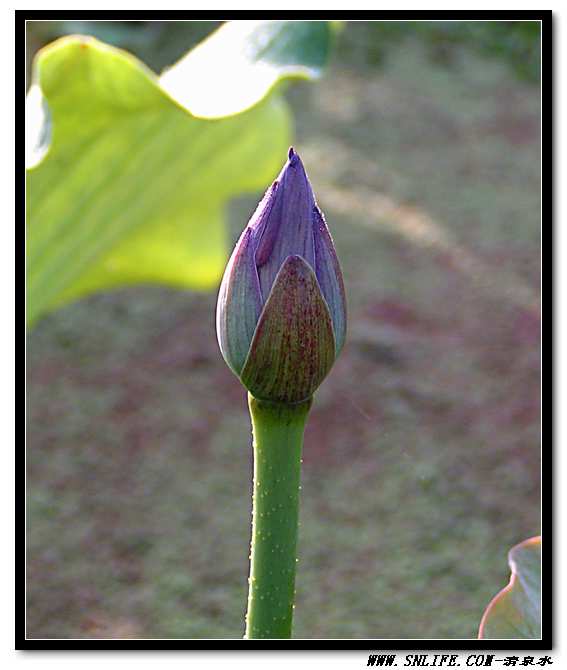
245 59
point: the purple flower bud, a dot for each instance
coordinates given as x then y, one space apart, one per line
281 311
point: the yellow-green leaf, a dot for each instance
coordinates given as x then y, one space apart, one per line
126 185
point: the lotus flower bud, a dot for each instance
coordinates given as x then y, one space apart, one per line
281 311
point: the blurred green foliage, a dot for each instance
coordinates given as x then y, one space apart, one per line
515 43
422 457
160 43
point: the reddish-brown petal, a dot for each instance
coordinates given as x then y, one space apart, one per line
293 348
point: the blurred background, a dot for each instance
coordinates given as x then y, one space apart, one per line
422 453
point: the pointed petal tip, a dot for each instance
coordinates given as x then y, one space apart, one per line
294 170
296 266
293 158
286 223
295 262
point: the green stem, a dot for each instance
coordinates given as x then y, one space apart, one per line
278 440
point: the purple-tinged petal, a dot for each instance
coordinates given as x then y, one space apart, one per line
293 347
239 303
330 277
260 217
287 227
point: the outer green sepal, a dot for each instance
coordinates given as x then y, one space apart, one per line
239 305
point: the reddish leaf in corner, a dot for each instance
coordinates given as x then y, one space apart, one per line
515 613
